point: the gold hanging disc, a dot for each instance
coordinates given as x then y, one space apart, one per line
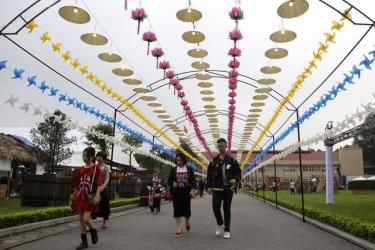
94 39
205 84
154 104
200 65
203 76
207 92
110 57
132 81
257 104
260 97
148 98
193 36
276 53
141 90
208 99
270 70
283 36
189 14
74 14
197 53
292 8
263 90
122 72
266 81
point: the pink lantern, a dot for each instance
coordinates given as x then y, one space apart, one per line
139 15
234 63
189 113
232 107
187 107
164 65
184 102
149 37
232 80
233 73
236 13
232 94
234 52
179 86
232 101
170 74
232 86
157 52
174 82
235 35
181 94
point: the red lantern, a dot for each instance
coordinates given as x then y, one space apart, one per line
157 52
232 94
149 37
139 15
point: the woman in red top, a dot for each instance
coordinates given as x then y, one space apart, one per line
88 180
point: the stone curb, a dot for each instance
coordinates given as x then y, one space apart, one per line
48 223
342 234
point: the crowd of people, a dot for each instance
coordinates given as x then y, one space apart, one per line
91 194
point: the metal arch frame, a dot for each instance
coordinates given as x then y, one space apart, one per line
215 73
222 112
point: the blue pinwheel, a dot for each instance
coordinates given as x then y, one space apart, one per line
62 98
43 86
17 73
31 81
71 101
3 64
367 62
356 71
348 79
53 91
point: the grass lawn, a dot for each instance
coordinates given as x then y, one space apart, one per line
361 207
354 214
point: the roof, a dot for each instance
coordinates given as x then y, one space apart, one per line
14 148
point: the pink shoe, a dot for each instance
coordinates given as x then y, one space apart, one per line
178 234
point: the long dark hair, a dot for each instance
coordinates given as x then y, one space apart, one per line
182 157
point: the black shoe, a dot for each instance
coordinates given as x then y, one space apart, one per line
94 236
83 244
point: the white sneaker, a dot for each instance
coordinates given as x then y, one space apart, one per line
226 235
219 230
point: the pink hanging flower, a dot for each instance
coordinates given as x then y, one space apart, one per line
174 82
157 52
232 80
232 107
233 73
234 63
232 86
235 35
164 65
181 94
236 13
149 37
234 52
169 74
178 87
139 15
232 101
232 94
184 102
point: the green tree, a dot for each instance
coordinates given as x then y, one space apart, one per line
52 138
366 140
93 140
133 141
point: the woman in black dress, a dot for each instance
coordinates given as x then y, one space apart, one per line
183 184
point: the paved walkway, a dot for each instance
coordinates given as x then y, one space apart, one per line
255 225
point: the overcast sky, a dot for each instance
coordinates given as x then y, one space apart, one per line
260 21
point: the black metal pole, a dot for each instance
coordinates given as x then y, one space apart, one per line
256 183
112 149
300 169
275 176
263 186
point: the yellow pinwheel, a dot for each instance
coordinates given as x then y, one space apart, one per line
323 47
337 25
317 55
90 76
312 64
75 63
98 81
347 15
84 70
67 56
31 26
56 47
45 37
330 37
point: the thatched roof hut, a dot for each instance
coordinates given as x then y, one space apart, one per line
14 150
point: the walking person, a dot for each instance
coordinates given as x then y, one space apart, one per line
87 187
223 176
292 187
201 188
156 197
182 183
105 171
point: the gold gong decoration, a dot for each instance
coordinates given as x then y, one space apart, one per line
205 84
208 99
154 104
110 57
94 39
200 65
148 98
193 36
292 8
203 76
270 70
276 53
283 36
263 90
189 14
257 104
260 97
132 81
141 90
122 72
266 81
74 14
197 53
207 92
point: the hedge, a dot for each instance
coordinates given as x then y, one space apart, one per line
362 185
50 213
348 224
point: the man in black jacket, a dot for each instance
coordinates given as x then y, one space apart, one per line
223 176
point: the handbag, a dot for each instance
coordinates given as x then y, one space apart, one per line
90 194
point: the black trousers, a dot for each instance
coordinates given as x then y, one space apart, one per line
224 197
